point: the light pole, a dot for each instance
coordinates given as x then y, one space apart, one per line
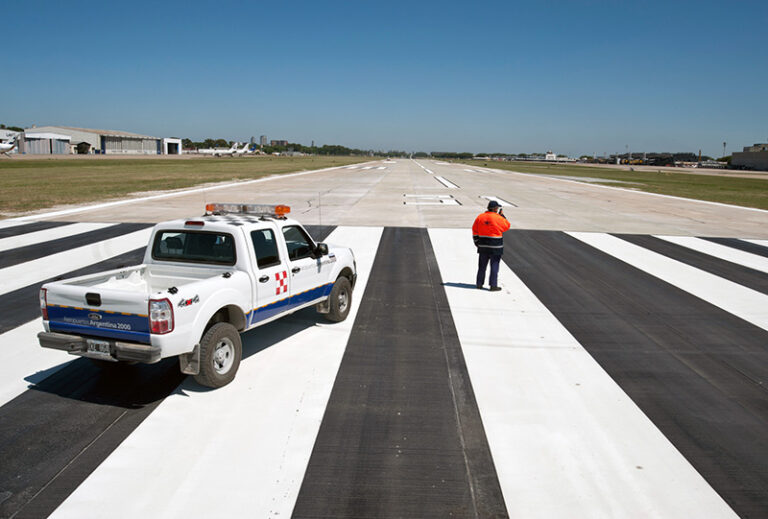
723 149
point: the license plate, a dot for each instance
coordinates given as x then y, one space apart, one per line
98 348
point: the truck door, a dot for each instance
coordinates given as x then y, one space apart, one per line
308 275
273 278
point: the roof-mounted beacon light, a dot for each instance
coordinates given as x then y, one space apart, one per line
278 211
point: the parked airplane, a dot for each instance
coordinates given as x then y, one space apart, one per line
244 151
6 147
219 153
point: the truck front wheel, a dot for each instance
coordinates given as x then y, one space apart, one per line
220 353
340 300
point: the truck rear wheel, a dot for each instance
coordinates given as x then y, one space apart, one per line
220 353
340 300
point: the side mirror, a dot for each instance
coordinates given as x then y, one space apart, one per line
321 249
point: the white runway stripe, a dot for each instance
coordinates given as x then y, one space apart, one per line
764 243
447 183
723 252
23 362
566 440
743 302
249 442
429 171
33 238
25 274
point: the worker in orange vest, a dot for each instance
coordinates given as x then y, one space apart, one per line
487 235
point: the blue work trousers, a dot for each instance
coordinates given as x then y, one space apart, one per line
482 263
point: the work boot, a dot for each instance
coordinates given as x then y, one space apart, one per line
495 289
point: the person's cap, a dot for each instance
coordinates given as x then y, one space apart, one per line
493 204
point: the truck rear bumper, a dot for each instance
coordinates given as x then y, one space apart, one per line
76 345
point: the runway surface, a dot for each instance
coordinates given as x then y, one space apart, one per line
616 374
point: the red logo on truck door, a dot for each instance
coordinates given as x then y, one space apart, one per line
282 284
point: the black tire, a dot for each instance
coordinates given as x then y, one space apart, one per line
220 354
340 300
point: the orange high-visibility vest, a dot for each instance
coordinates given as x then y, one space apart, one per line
487 232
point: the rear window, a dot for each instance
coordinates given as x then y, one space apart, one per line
194 247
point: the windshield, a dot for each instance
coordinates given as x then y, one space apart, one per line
194 247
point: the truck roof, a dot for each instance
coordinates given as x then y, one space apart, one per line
221 222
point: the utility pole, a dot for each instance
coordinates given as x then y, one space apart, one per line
723 149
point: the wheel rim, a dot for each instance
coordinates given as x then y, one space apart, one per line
343 300
223 356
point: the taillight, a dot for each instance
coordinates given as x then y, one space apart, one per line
44 303
160 316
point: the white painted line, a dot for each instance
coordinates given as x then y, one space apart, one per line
723 252
429 171
33 238
381 167
743 302
430 200
350 167
447 183
80 209
367 167
35 271
764 243
249 441
501 201
470 170
23 362
565 439
600 186
428 196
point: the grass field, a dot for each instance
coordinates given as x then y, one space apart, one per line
28 185
747 192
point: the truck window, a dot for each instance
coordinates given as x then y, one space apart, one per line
265 247
299 244
194 247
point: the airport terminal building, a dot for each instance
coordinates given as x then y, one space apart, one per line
62 140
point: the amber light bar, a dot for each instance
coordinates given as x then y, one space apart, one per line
253 209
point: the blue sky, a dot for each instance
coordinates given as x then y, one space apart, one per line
574 77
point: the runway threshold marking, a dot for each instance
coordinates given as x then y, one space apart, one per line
39 237
24 274
393 442
748 304
565 439
267 420
746 259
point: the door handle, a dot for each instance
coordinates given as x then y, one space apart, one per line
263 279
295 270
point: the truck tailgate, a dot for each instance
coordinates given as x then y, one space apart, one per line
113 314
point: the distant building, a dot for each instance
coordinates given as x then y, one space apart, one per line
550 156
263 140
753 157
86 140
253 141
278 143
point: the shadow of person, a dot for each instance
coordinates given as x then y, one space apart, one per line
459 285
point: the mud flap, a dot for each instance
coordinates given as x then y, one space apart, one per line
189 363
323 307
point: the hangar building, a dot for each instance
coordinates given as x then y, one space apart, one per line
753 157
109 142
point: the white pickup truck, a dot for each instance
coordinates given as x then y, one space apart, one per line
203 280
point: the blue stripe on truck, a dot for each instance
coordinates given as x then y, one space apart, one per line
272 309
112 325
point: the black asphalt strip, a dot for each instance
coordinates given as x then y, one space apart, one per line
401 435
33 252
59 431
746 246
740 274
698 372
